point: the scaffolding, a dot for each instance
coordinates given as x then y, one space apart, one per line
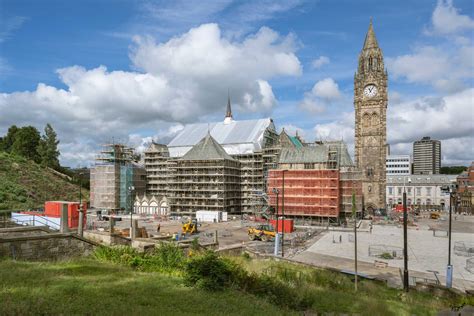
157 169
115 178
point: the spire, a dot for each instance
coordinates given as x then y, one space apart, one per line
228 114
370 39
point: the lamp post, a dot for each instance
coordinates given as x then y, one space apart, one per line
81 213
354 214
405 238
130 190
277 240
451 189
283 214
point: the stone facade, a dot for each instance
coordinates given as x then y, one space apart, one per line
370 102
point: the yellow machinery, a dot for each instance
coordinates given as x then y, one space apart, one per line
434 215
262 232
189 227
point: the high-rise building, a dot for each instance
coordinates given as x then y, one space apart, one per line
426 156
398 165
370 102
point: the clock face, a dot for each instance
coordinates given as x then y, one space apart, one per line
370 91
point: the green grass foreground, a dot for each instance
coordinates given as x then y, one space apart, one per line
89 287
100 287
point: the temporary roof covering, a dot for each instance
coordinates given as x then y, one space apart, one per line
236 137
207 149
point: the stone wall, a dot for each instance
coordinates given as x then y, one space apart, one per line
54 246
23 231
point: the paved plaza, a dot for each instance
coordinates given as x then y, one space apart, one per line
425 252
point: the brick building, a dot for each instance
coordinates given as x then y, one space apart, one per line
318 182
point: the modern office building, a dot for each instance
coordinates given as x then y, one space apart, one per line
398 165
426 156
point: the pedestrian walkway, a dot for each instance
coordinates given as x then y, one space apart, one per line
391 275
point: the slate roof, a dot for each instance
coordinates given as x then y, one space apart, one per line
318 153
207 149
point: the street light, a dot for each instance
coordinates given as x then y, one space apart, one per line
81 213
130 189
405 238
283 215
276 192
451 189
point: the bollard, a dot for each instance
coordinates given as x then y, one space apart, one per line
111 225
277 245
134 231
449 276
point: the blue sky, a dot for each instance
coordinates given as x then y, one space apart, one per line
137 70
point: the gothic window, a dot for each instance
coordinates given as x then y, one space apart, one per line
370 171
370 63
366 120
374 119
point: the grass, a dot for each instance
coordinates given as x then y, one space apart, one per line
25 184
98 288
101 287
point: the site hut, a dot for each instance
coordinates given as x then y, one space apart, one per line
319 182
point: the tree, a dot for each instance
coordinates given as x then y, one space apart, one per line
453 169
6 142
48 148
25 143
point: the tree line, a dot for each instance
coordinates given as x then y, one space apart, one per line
27 142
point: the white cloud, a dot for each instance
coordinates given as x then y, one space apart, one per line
446 65
176 81
448 119
320 61
446 19
321 95
326 89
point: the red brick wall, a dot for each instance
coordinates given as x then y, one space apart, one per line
307 192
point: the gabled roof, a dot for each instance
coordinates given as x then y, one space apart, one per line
207 149
319 153
236 137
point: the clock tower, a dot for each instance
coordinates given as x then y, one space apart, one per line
370 102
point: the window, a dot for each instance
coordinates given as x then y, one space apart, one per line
390 190
418 191
428 191
399 190
409 190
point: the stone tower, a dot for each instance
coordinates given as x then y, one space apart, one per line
370 102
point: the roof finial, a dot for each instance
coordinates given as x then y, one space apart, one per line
228 114
370 39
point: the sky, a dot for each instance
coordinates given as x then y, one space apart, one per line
136 71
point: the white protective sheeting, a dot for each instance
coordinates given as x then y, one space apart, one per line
236 137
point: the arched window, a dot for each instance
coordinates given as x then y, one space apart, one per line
366 119
374 120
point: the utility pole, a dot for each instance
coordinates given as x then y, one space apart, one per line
283 216
354 215
277 238
405 238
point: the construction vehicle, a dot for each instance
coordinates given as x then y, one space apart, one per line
189 227
262 232
434 215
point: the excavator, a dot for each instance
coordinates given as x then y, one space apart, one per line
189 227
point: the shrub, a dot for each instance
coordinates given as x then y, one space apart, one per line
207 271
